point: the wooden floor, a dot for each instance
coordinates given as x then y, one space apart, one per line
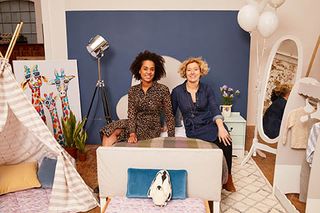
88 170
267 166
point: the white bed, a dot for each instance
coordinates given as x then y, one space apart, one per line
202 160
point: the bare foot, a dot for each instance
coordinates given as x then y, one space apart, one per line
112 139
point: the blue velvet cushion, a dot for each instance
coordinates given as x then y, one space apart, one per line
46 172
139 181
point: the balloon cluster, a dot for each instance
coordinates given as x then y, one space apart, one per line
249 17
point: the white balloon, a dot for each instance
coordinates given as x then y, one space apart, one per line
262 5
268 23
276 3
248 17
253 2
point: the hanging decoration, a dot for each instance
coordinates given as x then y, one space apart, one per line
268 23
252 16
248 17
276 3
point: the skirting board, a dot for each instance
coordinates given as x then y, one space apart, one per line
284 201
288 177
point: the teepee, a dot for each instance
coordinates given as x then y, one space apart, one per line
24 137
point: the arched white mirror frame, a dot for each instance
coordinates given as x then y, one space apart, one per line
256 145
264 82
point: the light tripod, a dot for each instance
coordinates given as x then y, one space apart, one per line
96 47
102 92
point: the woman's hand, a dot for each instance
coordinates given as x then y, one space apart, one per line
223 134
133 138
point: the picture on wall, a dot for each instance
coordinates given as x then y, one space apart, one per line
52 86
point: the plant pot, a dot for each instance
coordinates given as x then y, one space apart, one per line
82 156
72 151
226 110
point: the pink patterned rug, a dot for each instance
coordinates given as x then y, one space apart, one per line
26 201
133 205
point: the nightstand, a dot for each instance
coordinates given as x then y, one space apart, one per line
237 127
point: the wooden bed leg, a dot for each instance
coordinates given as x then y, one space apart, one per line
216 206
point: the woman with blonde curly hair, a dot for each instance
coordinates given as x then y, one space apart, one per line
200 111
273 116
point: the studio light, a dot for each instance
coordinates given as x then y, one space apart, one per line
96 47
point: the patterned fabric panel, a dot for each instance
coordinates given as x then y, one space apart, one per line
4 65
171 142
26 146
26 201
135 205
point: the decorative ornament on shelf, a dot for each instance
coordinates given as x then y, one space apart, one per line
227 94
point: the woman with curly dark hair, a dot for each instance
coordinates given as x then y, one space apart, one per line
146 102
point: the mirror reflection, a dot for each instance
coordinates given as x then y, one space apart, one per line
281 78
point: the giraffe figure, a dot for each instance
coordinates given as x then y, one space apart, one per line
61 81
34 80
50 102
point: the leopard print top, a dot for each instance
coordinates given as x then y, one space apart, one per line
144 111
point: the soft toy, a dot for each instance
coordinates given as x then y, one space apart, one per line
160 190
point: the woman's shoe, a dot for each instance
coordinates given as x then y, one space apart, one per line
229 186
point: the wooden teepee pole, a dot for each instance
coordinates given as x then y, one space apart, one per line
1 56
315 50
13 40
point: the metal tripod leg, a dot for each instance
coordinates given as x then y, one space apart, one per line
106 110
103 94
91 102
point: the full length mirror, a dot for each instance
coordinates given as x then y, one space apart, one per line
282 70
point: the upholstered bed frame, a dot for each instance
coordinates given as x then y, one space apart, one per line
202 161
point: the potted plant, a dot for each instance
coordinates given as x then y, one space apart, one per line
80 137
68 127
227 94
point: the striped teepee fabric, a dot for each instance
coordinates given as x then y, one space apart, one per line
24 137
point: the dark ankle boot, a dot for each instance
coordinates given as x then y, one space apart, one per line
229 186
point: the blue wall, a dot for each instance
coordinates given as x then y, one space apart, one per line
214 35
